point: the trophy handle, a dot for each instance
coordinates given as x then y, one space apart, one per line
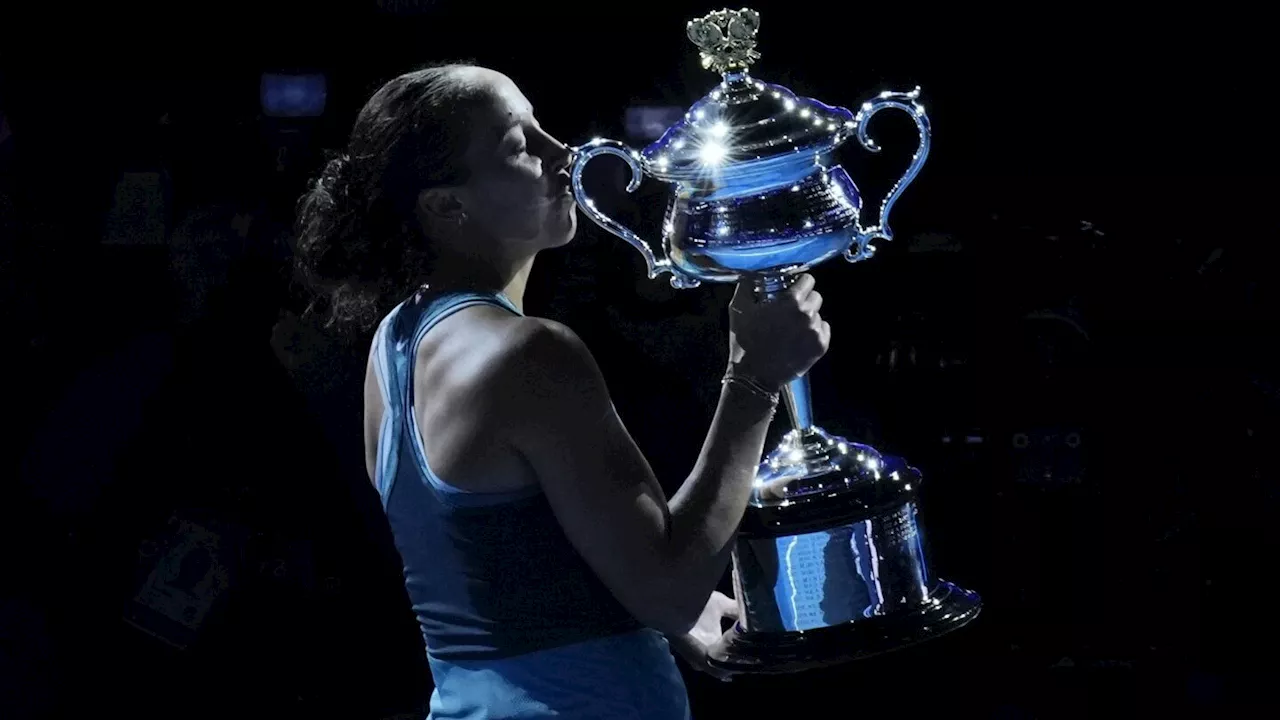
599 146
909 103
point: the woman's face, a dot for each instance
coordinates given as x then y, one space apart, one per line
518 189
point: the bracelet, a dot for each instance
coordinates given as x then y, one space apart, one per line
751 386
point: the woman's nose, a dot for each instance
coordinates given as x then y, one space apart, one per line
559 156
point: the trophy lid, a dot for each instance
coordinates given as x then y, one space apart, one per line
743 125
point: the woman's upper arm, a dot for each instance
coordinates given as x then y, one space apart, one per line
557 409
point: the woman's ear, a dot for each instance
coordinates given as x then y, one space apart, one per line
439 205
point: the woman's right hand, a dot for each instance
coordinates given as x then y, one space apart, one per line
775 341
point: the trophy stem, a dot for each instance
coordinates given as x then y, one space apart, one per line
796 392
799 403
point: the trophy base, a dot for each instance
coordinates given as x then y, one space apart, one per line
949 608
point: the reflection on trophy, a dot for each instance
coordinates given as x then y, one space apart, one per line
829 564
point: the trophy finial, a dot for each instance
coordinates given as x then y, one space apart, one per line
726 39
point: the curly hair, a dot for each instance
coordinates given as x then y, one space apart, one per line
360 247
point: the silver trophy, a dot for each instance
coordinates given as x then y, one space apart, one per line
829 564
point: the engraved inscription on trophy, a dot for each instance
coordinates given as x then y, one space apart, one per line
799 591
825 578
900 564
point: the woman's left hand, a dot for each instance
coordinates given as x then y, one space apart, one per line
694 645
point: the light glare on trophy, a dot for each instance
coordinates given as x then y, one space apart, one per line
829 564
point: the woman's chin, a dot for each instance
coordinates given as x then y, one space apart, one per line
566 228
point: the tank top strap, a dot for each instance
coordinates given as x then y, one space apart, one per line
383 361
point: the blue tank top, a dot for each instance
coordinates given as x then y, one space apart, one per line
516 624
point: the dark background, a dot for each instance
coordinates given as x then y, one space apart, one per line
1073 336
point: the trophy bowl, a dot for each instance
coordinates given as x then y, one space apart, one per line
828 564
755 188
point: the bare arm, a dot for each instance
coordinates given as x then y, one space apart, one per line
660 561
706 510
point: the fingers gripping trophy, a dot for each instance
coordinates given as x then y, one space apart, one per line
829 564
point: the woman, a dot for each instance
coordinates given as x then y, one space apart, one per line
544 563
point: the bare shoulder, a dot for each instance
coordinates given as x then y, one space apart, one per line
545 351
504 366
544 365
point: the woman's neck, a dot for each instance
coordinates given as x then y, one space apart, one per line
508 276
515 287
